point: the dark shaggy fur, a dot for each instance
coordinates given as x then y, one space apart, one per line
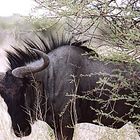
48 40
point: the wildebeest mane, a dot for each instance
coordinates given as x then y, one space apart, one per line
46 41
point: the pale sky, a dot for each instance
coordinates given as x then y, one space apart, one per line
22 7
10 7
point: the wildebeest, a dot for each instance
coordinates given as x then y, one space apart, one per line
68 86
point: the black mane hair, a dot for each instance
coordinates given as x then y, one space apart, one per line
46 41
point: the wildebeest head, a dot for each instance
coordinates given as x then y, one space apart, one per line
14 89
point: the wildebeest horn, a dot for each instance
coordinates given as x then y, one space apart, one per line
21 72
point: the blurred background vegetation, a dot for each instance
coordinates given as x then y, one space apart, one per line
111 26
